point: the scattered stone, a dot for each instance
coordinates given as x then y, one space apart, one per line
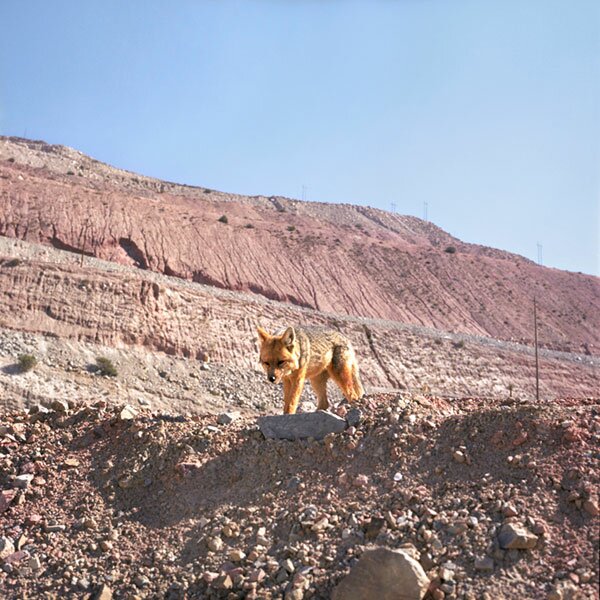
6 497
590 506
236 555
484 564
227 418
458 456
7 547
383 574
215 544
61 406
354 417
516 537
314 425
128 413
103 593
23 481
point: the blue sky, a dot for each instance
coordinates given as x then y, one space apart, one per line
488 111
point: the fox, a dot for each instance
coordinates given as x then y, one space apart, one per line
298 353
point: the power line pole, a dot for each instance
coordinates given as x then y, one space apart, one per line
393 207
425 210
537 361
304 188
539 249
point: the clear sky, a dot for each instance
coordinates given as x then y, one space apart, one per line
486 110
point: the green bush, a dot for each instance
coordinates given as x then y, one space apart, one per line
223 219
291 228
450 250
27 362
15 262
106 366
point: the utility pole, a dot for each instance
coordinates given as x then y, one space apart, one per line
539 249
537 360
393 207
304 188
425 210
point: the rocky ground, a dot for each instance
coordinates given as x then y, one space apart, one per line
496 500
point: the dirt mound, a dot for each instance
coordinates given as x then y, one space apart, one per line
153 505
336 258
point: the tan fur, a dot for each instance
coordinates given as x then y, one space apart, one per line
297 354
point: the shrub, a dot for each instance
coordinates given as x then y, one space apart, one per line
26 362
207 191
15 262
11 159
69 172
458 345
291 228
106 366
223 219
249 226
450 250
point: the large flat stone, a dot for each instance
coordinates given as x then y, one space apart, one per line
301 426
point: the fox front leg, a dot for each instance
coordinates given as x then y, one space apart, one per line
292 390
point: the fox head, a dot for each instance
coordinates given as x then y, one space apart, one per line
279 354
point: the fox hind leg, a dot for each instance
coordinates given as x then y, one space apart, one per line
319 385
344 371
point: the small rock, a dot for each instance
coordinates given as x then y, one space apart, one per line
458 456
509 511
61 406
513 536
228 417
23 481
361 481
6 497
484 564
236 555
103 593
7 547
353 417
35 563
215 544
590 506
128 413
141 581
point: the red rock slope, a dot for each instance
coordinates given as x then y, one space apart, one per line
335 258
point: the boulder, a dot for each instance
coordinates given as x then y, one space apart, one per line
383 574
301 426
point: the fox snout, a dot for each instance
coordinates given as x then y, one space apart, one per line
271 377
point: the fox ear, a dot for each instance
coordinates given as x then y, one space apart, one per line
289 337
262 334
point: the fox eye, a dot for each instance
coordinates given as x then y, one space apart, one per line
281 363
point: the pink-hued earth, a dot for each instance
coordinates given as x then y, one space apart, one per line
344 259
127 485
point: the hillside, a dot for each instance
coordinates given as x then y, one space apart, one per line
49 299
341 259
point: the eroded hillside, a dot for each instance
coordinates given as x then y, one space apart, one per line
335 258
